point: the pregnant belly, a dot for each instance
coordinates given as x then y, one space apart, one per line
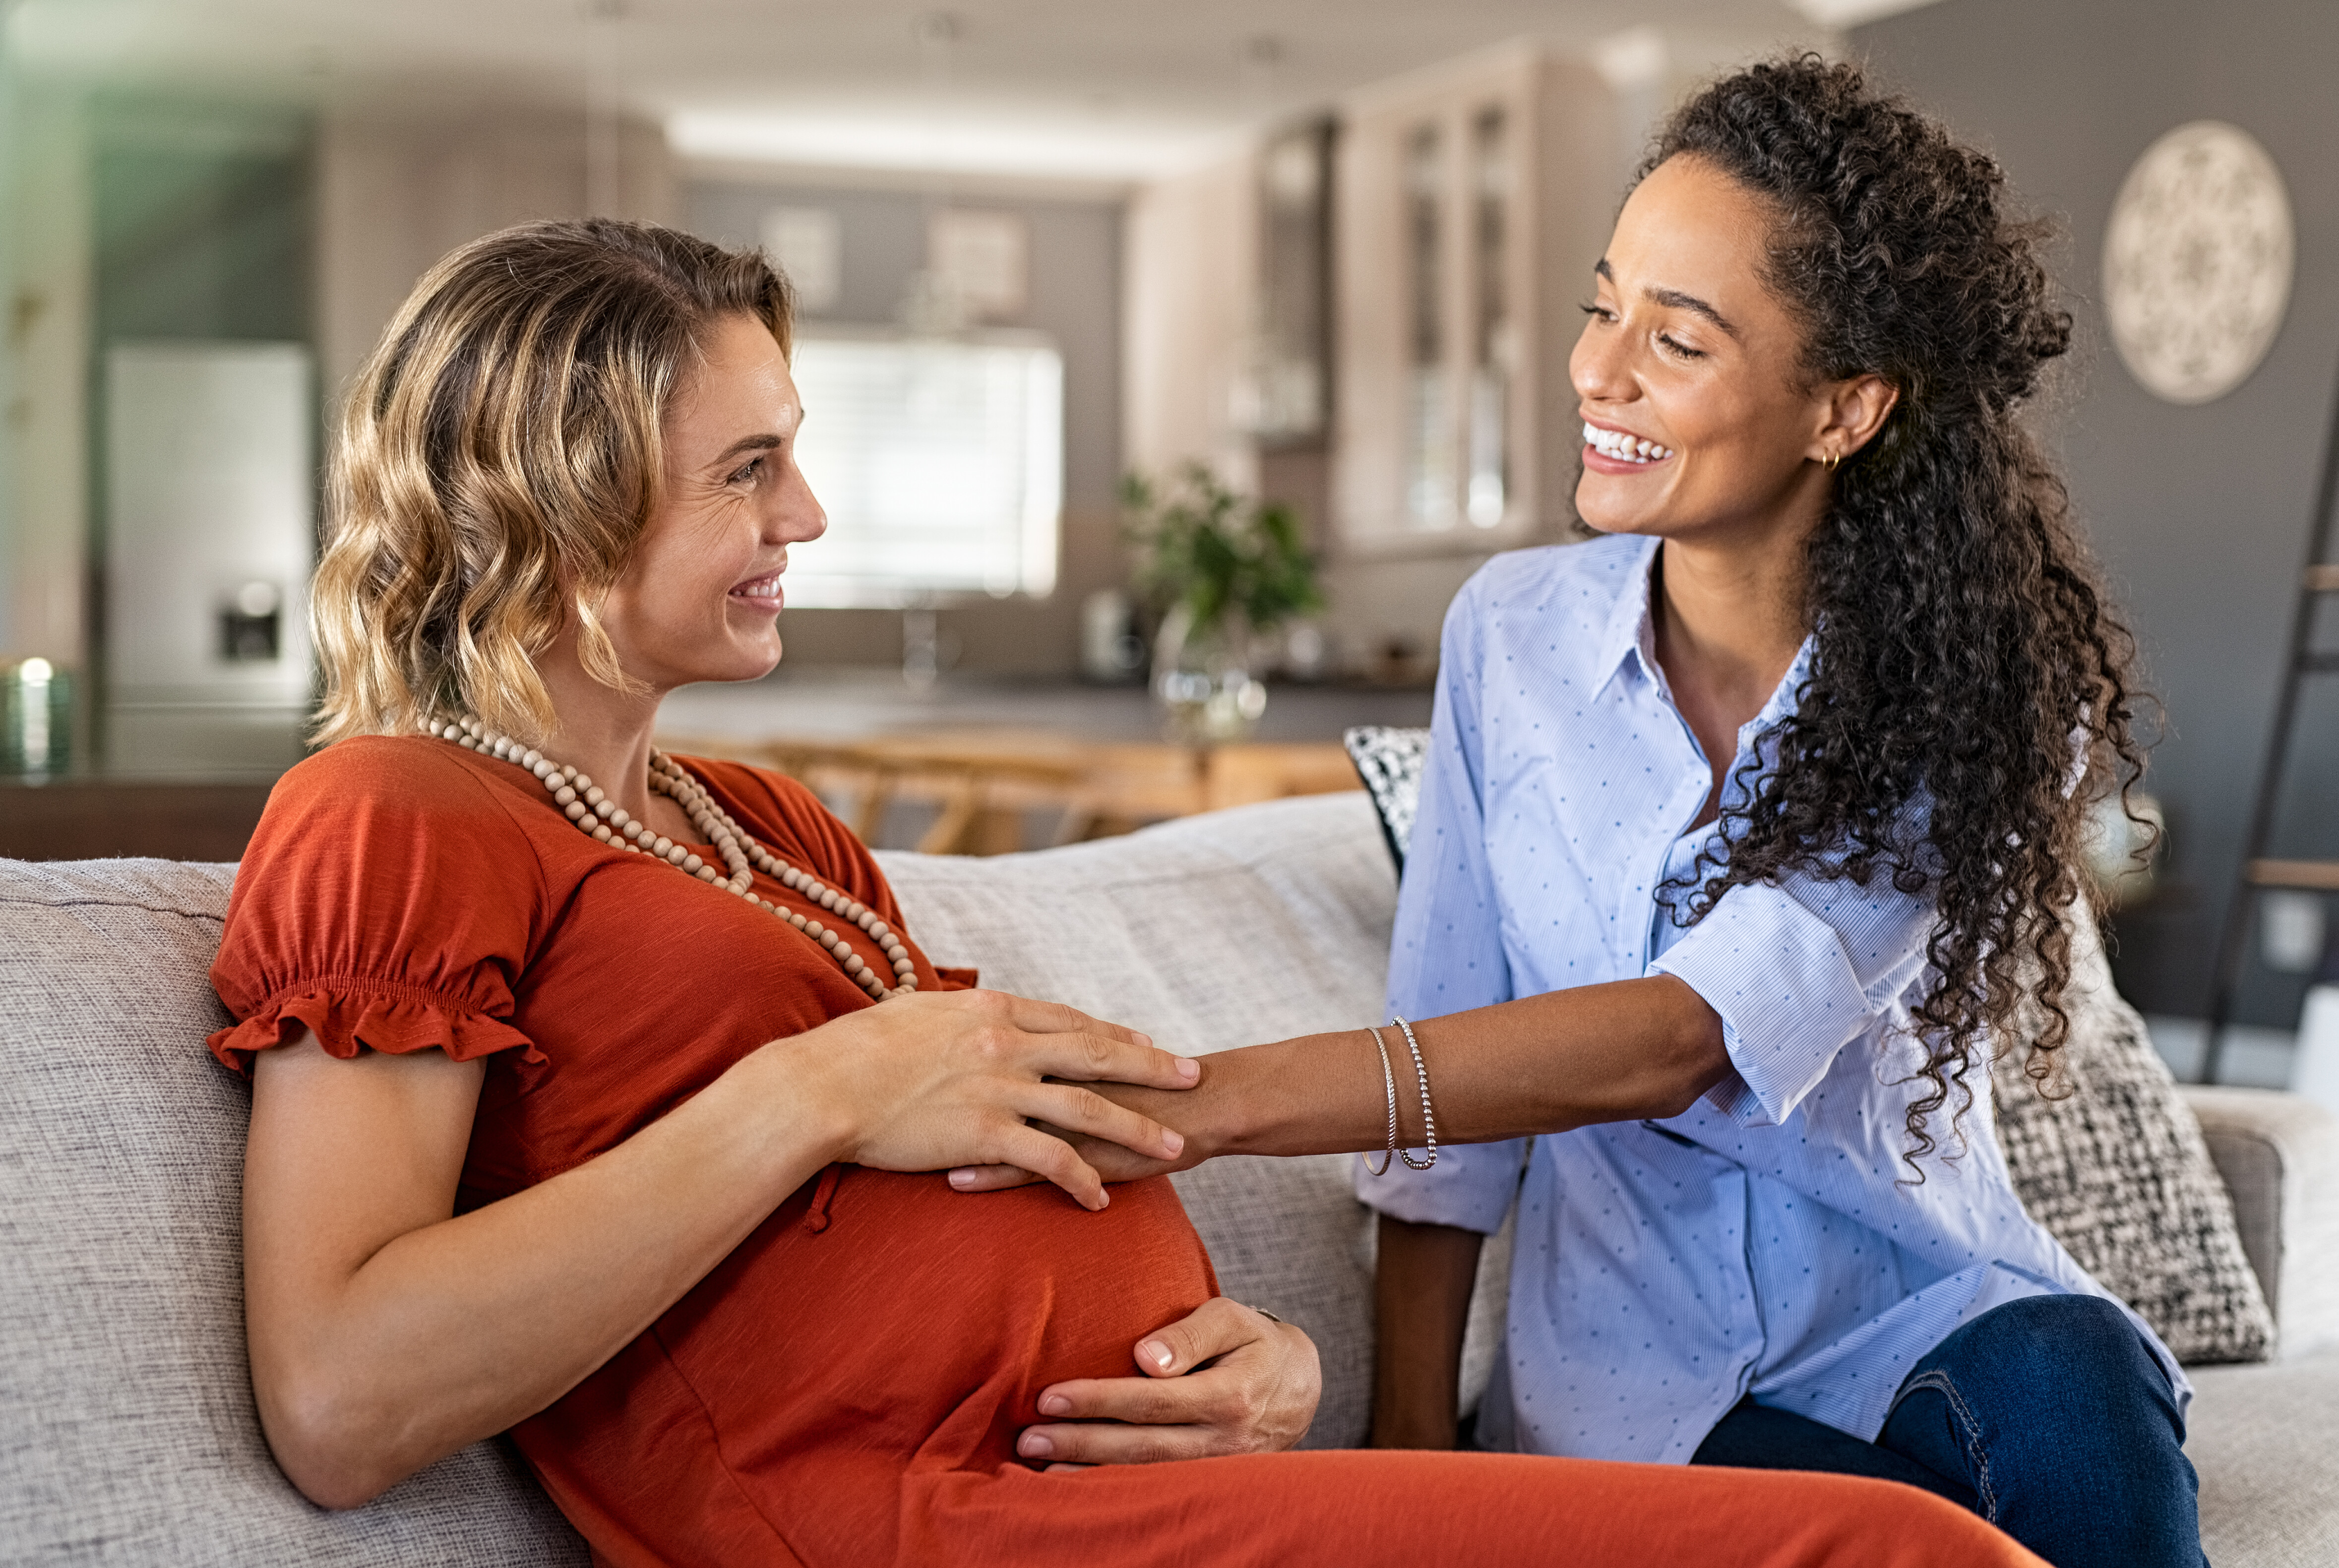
877 1324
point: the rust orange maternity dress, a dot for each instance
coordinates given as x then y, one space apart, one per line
845 1390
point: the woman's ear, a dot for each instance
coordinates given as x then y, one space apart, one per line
1853 411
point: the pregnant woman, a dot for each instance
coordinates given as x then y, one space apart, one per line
590 1085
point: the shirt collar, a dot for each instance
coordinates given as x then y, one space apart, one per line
1782 700
1631 630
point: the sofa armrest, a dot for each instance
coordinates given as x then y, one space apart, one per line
2279 1156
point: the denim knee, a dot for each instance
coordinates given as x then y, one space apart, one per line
2056 1326
2048 1340
2057 1413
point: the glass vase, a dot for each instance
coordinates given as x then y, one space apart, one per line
1202 679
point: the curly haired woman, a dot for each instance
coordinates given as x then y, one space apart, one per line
1801 741
590 1086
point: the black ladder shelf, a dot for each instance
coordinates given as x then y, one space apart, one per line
2261 872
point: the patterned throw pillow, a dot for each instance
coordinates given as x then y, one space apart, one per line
2116 1171
1389 761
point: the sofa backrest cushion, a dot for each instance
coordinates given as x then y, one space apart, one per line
1207 932
2117 1168
128 1433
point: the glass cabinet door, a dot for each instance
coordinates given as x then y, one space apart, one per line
1429 435
1494 338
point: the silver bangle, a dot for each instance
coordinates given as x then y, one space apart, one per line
1428 1117
1388 1084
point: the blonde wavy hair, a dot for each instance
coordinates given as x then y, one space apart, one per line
498 460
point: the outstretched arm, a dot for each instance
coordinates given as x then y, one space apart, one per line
1622 1051
1498 1068
1615 1052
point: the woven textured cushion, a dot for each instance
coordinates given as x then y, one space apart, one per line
1388 759
1232 929
127 1432
2119 1172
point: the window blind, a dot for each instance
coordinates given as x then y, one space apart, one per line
941 464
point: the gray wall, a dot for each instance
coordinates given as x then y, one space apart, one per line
2201 515
1075 298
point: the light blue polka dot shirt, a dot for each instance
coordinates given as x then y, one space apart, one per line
1765 1242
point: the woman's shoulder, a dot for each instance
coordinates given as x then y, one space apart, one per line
410 766
401 775
387 897
1556 602
378 793
1606 569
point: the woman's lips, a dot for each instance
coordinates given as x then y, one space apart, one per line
762 592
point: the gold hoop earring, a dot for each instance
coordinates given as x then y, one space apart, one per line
1833 458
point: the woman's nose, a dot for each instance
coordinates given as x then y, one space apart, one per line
1598 367
797 516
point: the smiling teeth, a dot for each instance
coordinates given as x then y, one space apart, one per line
761 588
1623 447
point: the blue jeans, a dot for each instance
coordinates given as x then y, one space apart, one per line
2047 1416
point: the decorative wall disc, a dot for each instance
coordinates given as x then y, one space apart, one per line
2198 262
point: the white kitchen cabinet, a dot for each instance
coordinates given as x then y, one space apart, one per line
1471 204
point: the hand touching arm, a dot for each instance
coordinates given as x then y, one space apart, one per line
1498 1068
1615 1052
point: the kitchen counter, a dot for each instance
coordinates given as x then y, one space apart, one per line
851 704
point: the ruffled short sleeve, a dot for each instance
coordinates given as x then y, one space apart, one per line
388 902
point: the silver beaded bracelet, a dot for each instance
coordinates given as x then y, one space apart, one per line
1428 1117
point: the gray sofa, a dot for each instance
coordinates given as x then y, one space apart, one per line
129 1434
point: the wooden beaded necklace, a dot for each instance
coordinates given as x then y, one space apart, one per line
602 819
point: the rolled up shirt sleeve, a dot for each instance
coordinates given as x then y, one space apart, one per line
1797 972
1471 1187
1447 954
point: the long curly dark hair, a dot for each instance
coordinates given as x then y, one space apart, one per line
1966 665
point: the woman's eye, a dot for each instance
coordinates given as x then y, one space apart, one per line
753 471
1594 308
1675 346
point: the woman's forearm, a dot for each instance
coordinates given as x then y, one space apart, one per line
1614 1052
1421 1306
457 1330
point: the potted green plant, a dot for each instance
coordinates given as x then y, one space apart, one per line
1221 572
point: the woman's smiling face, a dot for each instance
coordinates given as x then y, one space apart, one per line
1686 348
700 599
